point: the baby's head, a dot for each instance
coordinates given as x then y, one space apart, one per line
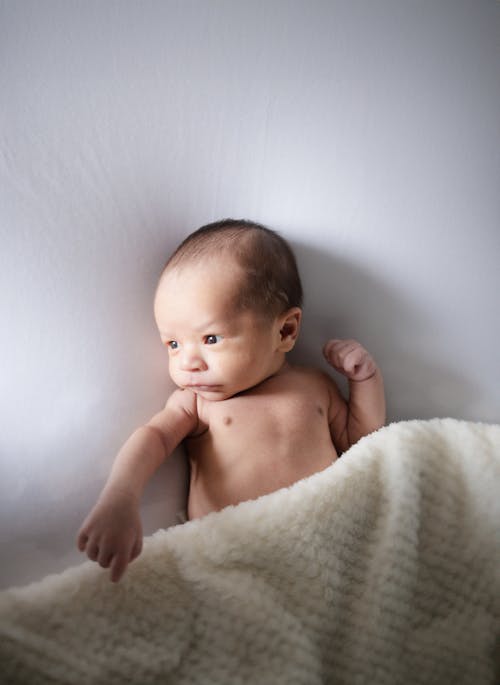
228 307
269 282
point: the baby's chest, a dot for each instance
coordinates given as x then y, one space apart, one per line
256 417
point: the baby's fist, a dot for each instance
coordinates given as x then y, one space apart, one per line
350 359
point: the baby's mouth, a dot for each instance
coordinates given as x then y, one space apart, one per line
203 386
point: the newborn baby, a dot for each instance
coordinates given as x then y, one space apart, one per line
228 309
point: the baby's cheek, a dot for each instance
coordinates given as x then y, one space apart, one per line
172 370
231 370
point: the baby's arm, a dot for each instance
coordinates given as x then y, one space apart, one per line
365 410
112 532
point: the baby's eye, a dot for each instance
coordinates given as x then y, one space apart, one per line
172 344
212 339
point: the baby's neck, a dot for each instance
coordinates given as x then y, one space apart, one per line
280 370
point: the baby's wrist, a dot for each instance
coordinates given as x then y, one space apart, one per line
120 492
366 378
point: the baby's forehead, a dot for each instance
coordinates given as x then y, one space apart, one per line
217 268
210 281
199 294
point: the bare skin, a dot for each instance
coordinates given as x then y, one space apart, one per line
250 421
262 439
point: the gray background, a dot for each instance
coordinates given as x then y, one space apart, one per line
366 132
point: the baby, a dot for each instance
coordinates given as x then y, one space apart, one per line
228 308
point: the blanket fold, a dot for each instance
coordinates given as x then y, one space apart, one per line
383 568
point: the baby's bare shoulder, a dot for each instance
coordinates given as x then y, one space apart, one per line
316 381
311 375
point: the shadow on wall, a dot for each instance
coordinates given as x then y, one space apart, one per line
343 301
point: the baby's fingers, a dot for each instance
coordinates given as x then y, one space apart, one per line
87 537
331 351
137 548
93 551
360 367
106 554
333 347
119 565
354 359
337 351
81 541
89 543
121 560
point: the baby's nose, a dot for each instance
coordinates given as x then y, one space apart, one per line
192 360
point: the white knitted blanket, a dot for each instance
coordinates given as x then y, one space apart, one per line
381 569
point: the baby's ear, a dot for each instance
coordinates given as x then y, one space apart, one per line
289 328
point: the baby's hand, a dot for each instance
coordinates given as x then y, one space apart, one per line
350 359
112 533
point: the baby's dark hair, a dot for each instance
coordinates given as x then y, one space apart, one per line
271 282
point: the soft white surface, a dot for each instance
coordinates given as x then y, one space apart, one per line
381 569
367 132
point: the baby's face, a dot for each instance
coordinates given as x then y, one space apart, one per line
213 349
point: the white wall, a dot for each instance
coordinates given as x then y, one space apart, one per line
367 132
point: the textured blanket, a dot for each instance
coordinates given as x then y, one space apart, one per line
384 568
